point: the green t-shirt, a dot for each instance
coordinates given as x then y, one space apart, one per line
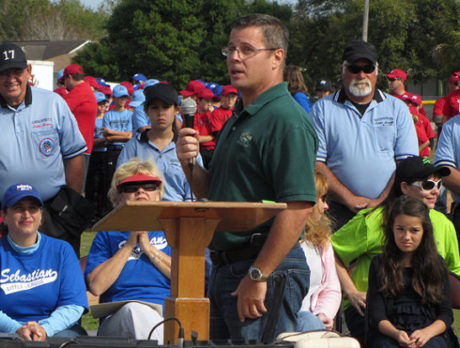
362 238
264 152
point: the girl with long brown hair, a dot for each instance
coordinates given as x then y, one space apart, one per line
408 297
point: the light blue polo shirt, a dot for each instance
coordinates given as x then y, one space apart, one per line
140 118
448 149
118 121
36 138
98 135
361 150
176 185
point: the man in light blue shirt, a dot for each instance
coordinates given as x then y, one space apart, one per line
41 144
448 154
362 133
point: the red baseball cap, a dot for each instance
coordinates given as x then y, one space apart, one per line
397 74
454 77
93 82
129 86
416 99
193 87
72 69
205 93
228 89
106 90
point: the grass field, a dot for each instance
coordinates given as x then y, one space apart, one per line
89 323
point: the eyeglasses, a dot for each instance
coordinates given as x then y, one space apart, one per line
428 185
244 51
356 69
32 209
131 187
391 79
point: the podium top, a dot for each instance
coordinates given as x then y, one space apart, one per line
146 216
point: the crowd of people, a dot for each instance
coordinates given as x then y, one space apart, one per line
351 164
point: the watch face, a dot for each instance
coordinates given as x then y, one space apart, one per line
255 274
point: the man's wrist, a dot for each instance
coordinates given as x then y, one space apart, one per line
256 274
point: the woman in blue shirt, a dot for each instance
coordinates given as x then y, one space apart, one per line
132 265
296 86
42 292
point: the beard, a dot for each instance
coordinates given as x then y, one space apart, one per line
360 88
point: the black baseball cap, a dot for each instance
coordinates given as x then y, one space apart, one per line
162 91
360 50
417 168
11 56
323 85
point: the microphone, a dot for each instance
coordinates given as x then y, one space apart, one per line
188 108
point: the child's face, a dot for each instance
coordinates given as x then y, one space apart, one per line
229 100
120 102
205 105
408 232
102 107
161 116
429 197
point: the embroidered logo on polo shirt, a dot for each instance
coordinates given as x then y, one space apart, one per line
245 138
46 146
16 282
384 121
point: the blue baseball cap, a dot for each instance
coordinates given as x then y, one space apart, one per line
100 97
138 98
15 193
150 83
120 91
139 77
60 74
102 82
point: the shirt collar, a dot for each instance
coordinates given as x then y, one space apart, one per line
27 99
266 97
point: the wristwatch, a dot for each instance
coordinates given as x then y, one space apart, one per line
256 274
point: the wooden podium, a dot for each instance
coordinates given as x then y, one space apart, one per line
189 227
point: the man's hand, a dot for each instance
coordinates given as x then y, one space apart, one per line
32 331
328 322
356 203
358 300
251 296
188 145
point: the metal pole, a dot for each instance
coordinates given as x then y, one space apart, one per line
365 19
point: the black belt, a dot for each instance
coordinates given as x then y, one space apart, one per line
246 252
115 147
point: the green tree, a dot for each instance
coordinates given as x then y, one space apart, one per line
173 40
420 36
46 20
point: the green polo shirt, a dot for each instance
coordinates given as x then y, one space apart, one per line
362 238
264 152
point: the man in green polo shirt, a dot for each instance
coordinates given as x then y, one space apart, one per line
265 151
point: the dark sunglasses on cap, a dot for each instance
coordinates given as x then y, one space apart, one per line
356 69
427 185
131 187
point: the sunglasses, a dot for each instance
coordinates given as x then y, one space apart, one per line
427 185
391 79
131 187
356 69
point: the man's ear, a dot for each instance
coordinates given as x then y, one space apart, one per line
404 187
278 58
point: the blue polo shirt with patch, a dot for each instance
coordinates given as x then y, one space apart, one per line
448 150
36 138
361 150
175 182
